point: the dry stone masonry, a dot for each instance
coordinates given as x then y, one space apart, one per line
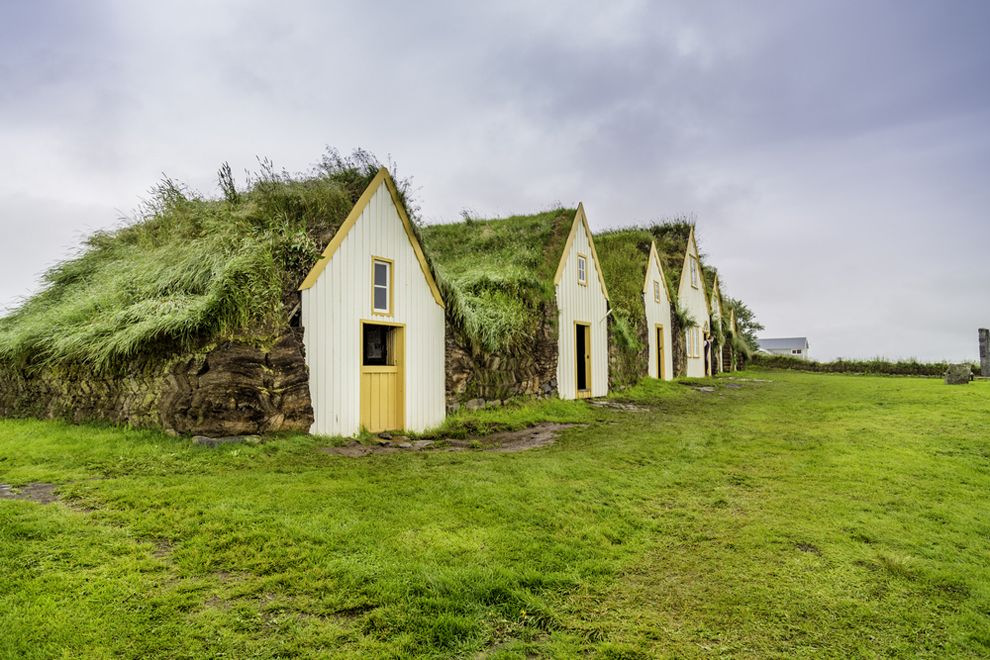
234 388
477 378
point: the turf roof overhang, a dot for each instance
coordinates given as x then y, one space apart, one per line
624 256
497 275
672 243
188 271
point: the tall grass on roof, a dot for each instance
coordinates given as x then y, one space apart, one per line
187 270
496 276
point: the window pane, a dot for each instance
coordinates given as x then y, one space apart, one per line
381 273
381 297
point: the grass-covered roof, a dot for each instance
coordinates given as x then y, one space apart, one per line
188 269
672 241
497 275
624 255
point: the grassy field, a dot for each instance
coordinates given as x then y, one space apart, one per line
814 515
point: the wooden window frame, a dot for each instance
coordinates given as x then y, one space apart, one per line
582 282
391 287
656 291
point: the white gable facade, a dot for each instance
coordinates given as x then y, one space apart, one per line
582 302
373 323
656 303
691 296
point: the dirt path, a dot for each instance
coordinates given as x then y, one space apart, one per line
34 492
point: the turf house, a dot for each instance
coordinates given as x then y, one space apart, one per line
640 327
527 307
374 289
190 318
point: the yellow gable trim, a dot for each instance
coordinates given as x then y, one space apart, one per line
352 218
655 257
424 265
692 253
580 216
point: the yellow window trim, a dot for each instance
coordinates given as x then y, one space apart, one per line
382 178
391 287
580 256
581 218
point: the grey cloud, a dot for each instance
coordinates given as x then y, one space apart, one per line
834 153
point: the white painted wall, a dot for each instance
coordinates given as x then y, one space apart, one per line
802 353
586 304
657 313
694 300
332 311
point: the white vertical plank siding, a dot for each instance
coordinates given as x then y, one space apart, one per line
586 304
693 299
332 311
658 312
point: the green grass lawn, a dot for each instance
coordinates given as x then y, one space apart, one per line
815 515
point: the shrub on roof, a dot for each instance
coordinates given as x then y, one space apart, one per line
496 276
188 270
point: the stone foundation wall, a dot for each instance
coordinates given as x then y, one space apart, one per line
234 388
476 378
679 342
626 365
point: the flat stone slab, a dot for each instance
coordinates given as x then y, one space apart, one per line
617 405
541 435
226 440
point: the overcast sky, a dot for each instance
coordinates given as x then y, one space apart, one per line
835 154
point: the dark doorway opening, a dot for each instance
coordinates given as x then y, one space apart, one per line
377 345
582 350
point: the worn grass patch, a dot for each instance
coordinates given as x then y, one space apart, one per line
808 516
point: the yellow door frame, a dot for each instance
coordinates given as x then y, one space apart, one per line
660 346
583 394
399 368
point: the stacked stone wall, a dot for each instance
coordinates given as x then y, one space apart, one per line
233 388
477 378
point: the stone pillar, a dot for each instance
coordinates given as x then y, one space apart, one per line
985 352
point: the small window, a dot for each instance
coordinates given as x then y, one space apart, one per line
582 270
378 342
796 351
694 272
656 291
381 290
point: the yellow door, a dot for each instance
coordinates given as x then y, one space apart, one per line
382 377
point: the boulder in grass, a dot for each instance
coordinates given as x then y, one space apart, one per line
958 374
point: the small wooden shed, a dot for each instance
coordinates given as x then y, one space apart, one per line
373 321
527 306
641 322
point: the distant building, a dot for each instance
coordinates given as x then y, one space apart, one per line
796 347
